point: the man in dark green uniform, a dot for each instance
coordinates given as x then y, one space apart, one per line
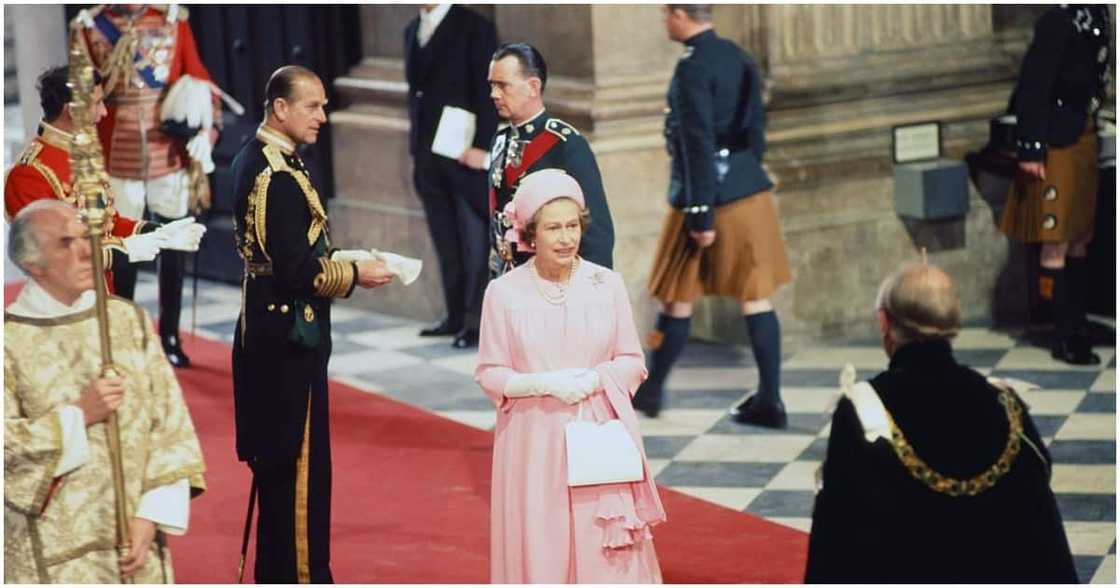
283 338
530 140
721 236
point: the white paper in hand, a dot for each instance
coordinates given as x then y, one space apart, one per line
455 132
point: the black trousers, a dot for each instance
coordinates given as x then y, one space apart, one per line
294 524
455 201
172 266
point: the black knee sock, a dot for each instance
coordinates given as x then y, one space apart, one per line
1064 320
766 343
673 333
1077 280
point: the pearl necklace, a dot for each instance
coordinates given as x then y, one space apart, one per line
553 292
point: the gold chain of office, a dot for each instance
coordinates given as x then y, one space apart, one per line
937 482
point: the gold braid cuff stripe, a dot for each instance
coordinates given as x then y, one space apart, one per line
335 280
973 486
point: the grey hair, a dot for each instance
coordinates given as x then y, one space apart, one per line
23 239
695 12
921 302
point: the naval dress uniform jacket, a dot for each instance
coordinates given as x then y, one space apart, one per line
450 70
875 521
715 129
512 157
280 353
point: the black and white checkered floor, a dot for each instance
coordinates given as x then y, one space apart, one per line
696 449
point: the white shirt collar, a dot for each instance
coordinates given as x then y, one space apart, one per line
429 21
34 302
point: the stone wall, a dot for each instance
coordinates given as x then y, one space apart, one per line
838 78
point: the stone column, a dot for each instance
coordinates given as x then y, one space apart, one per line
41 43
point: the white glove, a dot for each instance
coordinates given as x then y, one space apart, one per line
351 255
200 150
406 269
184 234
143 247
569 385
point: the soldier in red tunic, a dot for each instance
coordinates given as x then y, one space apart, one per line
154 76
42 171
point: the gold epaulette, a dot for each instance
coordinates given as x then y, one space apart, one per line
560 128
30 153
30 157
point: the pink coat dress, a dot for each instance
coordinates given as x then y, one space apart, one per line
542 531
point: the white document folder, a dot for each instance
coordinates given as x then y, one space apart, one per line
455 132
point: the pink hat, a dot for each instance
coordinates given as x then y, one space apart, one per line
534 191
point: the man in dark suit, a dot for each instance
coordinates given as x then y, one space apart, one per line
447 52
531 139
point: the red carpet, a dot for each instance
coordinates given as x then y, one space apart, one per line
411 498
411 493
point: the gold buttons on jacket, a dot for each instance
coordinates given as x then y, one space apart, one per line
284 308
308 314
271 307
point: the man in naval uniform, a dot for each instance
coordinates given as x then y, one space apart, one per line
283 339
530 140
153 74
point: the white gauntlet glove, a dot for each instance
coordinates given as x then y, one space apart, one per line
184 234
143 247
569 385
351 255
200 150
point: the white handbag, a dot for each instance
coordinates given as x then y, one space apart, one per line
601 453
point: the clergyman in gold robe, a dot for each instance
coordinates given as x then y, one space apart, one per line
59 521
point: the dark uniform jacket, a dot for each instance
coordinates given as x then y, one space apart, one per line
715 129
283 338
1063 78
875 522
442 73
572 154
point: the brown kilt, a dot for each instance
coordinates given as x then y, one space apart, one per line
747 261
1062 208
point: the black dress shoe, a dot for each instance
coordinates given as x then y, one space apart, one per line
440 329
1074 350
466 339
761 415
645 401
174 352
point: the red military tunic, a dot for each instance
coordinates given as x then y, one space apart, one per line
134 146
42 170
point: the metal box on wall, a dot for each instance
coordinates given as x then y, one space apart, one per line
931 190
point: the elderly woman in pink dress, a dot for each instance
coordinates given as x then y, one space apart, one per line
557 334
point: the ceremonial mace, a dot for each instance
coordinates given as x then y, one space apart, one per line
90 180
